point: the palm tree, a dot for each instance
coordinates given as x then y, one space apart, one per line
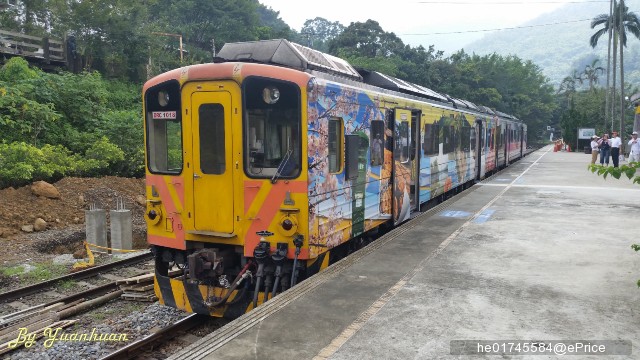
617 23
568 88
591 73
630 22
578 77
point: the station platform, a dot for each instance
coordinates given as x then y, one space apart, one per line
539 251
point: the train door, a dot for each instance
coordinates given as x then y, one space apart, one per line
480 143
403 174
507 147
212 161
500 149
415 159
522 134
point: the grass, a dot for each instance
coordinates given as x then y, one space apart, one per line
127 307
45 271
66 284
11 271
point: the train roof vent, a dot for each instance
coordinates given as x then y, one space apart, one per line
487 110
508 116
459 104
470 105
389 82
286 53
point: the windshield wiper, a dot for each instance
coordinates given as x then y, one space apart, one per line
281 166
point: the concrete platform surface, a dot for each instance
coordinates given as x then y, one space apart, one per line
540 251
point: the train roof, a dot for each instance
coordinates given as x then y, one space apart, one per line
505 115
289 54
389 82
286 53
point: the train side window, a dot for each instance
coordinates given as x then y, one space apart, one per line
352 152
447 139
212 144
472 139
430 145
404 141
377 143
335 145
465 139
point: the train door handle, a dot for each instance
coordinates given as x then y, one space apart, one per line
196 176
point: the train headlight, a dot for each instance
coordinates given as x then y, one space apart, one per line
288 226
153 215
271 95
163 98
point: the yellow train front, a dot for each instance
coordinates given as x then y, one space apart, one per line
227 198
260 165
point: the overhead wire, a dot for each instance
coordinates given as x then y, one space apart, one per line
498 29
505 3
511 2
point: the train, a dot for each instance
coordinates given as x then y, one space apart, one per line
275 160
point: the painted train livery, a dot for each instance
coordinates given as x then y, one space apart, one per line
270 163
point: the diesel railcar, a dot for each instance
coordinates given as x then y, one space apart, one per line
267 164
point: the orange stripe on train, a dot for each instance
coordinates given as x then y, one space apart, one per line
269 210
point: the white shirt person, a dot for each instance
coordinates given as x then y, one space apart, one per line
634 145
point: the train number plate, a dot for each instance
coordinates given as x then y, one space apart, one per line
158 115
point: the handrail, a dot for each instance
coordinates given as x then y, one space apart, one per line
31 46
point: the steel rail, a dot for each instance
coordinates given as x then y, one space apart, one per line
132 350
30 289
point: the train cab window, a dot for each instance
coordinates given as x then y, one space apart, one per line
212 149
271 130
335 145
164 128
377 143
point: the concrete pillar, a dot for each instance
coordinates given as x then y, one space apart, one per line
96 227
121 229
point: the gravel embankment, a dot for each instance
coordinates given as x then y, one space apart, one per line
135 326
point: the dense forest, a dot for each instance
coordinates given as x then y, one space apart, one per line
90 123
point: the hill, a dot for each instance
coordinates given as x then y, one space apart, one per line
559 49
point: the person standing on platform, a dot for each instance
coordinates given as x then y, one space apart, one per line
634 145
615 143
595 150
605 149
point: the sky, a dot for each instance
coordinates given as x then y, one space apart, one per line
423 22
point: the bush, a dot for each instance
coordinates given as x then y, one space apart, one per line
21 118
124 128
99 157
17 69
21 163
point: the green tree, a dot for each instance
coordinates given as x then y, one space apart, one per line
620 19
271 25
318 32
591 73
366 39
616 25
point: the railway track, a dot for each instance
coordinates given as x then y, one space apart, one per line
60 312
34 288
134 349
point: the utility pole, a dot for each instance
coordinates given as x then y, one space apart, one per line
622 107
172 35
